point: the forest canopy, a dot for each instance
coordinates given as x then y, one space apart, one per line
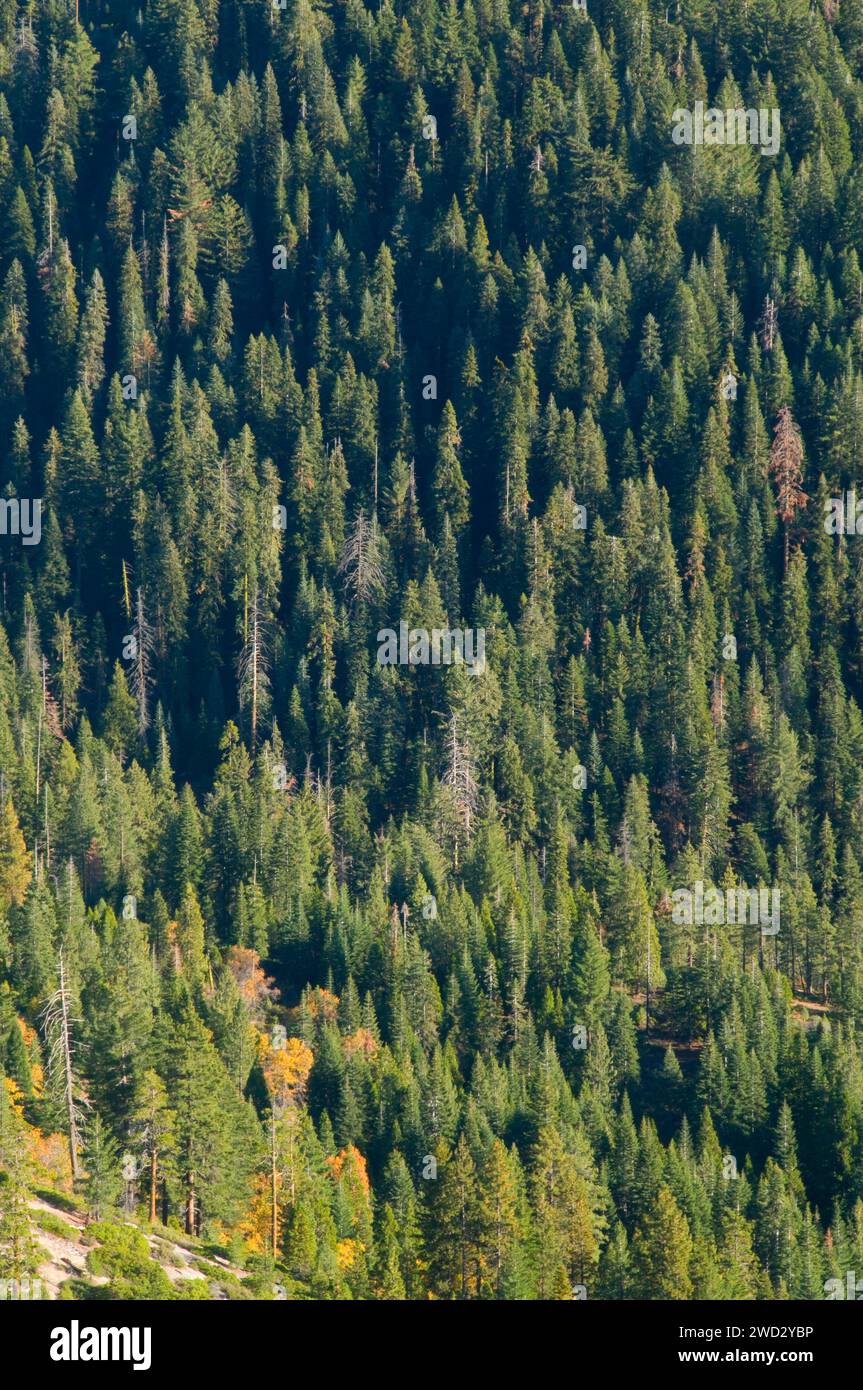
431 653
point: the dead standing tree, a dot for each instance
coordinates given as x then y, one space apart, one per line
138 648
768 324
252 677
361 562
461 783
57 1022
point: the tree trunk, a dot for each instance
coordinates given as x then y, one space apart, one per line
190 1205
153 1165
274 1232
70 1082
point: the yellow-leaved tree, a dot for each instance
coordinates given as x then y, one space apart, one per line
16 862
286 1067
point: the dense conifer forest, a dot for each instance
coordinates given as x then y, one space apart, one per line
431 652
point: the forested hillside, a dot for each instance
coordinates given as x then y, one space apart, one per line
324 327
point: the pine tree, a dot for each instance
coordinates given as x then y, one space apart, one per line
661 1249
103 1179
451 1224
786 460
153 1127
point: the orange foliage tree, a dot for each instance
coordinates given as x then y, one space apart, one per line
348 1169
257 989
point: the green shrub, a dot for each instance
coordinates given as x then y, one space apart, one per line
124 1256
47 1221
61 1200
